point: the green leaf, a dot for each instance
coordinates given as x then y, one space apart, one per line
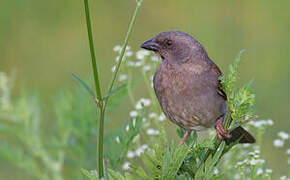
118 156
117 98
89 174
115 91
114 175
84 85
172 160
139 171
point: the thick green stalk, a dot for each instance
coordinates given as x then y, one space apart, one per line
100 165
139 2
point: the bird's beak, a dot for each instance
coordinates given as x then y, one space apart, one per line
151 45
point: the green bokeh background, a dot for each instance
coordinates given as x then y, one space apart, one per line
45 41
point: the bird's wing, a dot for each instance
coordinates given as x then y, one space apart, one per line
218 72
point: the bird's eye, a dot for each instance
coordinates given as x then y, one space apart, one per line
169 42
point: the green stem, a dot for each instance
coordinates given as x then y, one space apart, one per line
98 92
139 2
101 105
100 163
216 142
92 50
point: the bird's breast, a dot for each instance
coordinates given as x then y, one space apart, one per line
187 94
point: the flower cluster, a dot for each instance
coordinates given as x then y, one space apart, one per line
4 92
282 137
137 152
128 54
261 123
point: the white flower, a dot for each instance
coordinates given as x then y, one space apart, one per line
123 77
283 135
129 53
147 68
152 115
288 151
133 113
118 139
259 171
246 145
130 154
161 117
130 63
152 132
141 149
270 122
144 146
251 153
269 171
239 163
215 171
256 161
137 64
261 123
142 101
117 58
256 147
283 177
138 106
154 58
126 166
117 48
237 177
114 68
128 47
127 128
141 54
147 124
278 143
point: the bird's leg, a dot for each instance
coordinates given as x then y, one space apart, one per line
186 134
221 132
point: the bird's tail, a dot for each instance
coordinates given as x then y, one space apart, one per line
240 135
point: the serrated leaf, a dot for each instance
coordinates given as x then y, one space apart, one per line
139 171
89 174
114 175
172 160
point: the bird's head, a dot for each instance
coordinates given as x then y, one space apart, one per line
174 46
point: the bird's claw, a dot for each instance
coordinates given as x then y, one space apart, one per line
221 132
187 133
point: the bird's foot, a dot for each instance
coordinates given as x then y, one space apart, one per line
220 130
186 134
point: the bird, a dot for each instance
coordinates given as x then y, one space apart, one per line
187 86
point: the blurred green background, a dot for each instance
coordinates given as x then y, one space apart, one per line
45 41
